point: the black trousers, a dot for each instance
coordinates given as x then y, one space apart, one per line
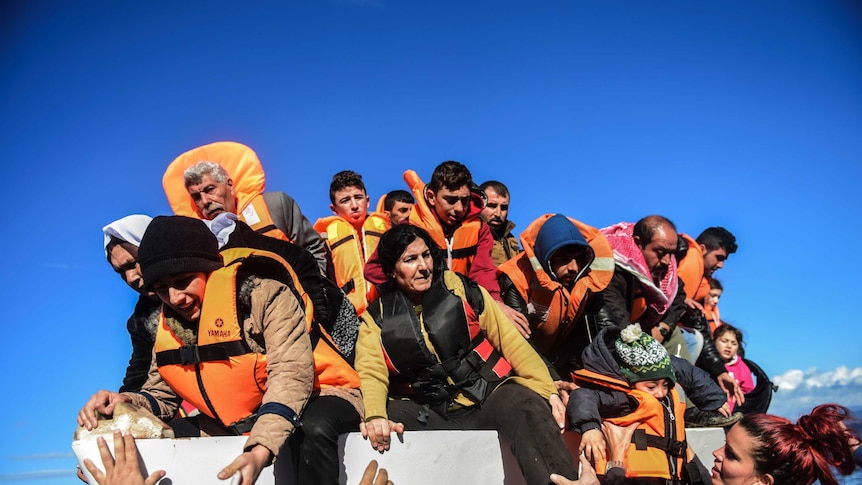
517 413
314 445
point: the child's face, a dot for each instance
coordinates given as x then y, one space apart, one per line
727 346
714 295
658 389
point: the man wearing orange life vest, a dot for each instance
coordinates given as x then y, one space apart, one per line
228 177
448 208
351 236
556 284
247 367
496 215
704 257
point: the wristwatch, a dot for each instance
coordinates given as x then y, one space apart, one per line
663 331
613 464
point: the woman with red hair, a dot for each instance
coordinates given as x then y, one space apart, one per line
767 449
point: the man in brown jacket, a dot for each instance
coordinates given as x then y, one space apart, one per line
215 357
496 215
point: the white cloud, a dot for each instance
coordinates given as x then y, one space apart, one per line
799 391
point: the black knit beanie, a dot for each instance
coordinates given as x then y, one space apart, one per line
176 244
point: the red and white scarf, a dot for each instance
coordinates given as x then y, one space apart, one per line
628 256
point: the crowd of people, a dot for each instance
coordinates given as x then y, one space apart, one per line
428 313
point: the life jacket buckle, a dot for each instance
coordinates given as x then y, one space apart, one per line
189 355
244 425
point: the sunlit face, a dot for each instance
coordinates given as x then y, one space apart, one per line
713 260
124 259
564 263
727 346
212 197
451 206
351 203
413 270
184 293
657 389
496 211
658 252
734 462
713 297
400 212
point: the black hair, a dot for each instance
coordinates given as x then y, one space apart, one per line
394 241
718 237
397 196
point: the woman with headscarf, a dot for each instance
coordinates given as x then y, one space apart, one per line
122 238
442 348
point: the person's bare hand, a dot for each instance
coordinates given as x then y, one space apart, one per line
724 410
122 468
102 402
248 464
588 475
379 430
517 318
368 476
564 387
694 305
655 332
619 438
593 444
559 411
730 387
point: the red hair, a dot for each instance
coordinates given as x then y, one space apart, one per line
799 454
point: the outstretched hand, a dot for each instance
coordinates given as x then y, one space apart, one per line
731 387
368 476
122 468
588 475
248 464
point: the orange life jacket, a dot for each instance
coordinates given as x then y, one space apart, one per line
658 448
461 246
558 305
350 249
245 171
220 375
690 271
713 317
225 391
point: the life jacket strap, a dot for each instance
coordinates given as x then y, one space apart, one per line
464 252
348 287
266 229
642 441
195 354
244 425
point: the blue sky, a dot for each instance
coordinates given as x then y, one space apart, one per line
741 114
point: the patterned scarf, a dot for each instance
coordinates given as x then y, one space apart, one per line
629 257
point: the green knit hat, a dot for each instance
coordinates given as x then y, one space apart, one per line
641 357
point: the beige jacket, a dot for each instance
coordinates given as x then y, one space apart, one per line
277 325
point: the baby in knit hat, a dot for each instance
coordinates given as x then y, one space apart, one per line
628 377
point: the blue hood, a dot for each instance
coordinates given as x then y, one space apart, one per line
556 232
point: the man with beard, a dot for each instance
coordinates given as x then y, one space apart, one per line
646 288
495 214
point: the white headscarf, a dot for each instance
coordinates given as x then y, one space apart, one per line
129 229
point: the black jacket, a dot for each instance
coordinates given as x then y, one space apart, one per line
618 297
142 325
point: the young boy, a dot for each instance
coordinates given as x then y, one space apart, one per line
351 235
629 377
